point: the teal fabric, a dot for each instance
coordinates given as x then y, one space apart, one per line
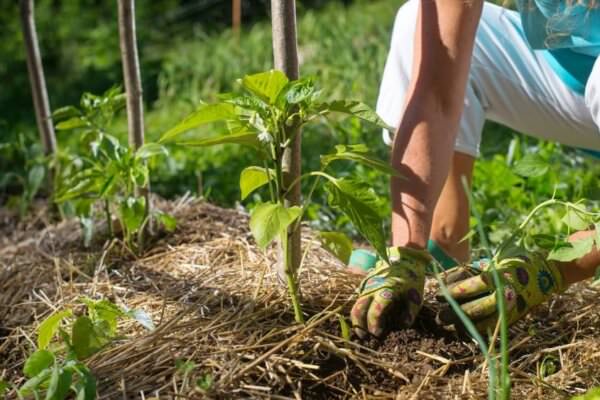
363 259
440 255
569 34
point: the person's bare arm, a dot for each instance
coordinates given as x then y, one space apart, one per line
423 145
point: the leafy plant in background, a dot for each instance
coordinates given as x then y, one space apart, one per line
104 172
57 368
258 118
30 178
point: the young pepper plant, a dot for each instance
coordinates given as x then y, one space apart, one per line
258 118
106 172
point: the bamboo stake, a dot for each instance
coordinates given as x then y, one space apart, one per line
36 78
285 54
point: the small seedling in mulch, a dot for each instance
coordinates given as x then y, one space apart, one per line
64 341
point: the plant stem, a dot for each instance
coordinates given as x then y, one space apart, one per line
108 219
292 279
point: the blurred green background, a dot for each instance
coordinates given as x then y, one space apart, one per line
189 54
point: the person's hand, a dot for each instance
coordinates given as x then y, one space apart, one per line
528 280
391 292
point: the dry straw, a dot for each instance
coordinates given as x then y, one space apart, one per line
216 302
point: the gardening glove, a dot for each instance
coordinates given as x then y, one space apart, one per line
528 280
392 293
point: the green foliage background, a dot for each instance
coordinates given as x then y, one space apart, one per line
189 55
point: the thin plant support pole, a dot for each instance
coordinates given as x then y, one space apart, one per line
37 81
285 54
236 17
133 84
131 72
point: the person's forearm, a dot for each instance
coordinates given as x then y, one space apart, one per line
423 144
423 160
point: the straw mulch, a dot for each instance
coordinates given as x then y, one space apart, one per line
215 301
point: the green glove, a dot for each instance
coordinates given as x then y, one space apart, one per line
391 292
528 280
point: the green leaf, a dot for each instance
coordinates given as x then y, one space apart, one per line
168 221
576 220
356 109
243 138
71 123
105 311
83 338
86 386
266 85
337 244
358 153
49 326
34 383
269 220
184 367
60 382
531 166
361 205
150 150
205 383
4 386
132 212
596 280
35 177
65 113
205 114
37 362
573 250
302 90
592 394
344 326
252 178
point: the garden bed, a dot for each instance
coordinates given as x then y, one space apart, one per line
216 304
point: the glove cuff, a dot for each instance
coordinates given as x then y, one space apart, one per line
397 253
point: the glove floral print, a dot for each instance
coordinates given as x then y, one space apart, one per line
528 281
391 292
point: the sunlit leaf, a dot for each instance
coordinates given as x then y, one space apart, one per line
252 178
337 244
37 362
266 85
356 109
71 123
361 205
269 220
360 154
575 220
243 138
531 166
150 150
205 114
168 221
344 327
49 326
572 250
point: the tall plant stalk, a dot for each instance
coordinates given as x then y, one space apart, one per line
285 54
38 82
133 88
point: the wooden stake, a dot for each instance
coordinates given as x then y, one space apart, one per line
285 53
36 78
131 72
236 16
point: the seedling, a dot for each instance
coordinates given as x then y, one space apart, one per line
65 341
265 117
106 173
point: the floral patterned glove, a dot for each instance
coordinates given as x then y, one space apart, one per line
391 293
528 280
